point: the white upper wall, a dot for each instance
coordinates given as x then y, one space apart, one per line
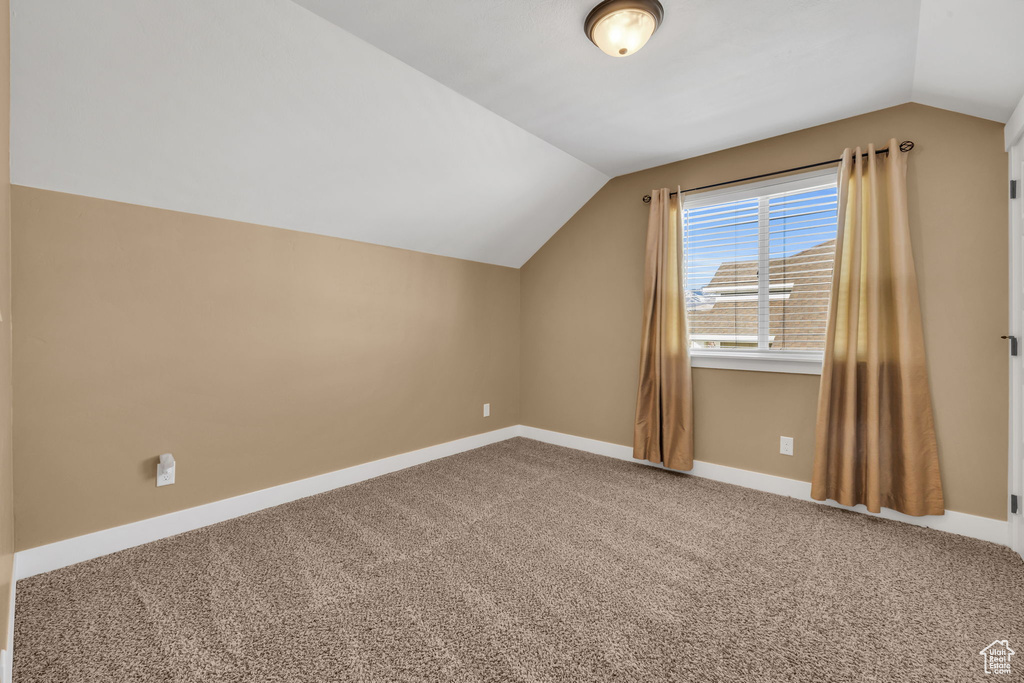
266 112
1014 129
260 111
970 56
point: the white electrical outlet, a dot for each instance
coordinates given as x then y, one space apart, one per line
487 410
165 470
786 445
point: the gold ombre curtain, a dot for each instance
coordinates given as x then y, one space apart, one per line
663 430
875 434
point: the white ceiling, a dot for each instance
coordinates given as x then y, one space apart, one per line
715 75
466 128
259 111
970 56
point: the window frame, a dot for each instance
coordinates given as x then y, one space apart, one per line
792 362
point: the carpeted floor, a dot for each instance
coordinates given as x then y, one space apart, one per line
523 561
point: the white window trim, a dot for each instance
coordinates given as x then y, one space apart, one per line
730 293
788 362
727 289
728 337
789 183
732 298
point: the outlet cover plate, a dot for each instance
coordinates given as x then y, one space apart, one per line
786 445
164 475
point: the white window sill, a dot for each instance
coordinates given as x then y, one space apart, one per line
758 361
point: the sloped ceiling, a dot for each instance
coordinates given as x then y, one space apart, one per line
259 111
457 127
716 75
970 57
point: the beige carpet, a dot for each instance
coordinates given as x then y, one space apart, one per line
528 562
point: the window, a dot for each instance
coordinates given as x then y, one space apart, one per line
758 262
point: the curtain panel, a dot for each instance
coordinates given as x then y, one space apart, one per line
663 429
875 436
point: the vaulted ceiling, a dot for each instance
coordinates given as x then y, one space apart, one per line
718 73
259 111
456 127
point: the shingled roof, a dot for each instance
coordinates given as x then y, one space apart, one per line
799 287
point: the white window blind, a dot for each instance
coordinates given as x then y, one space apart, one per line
758 263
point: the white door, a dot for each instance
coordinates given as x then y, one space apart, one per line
1017 330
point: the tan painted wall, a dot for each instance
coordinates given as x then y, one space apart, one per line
581 296
6 456
260 356
257 356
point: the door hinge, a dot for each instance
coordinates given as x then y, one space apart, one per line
1013 189
1013 504
1013 343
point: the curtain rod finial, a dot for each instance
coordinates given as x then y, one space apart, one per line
906 145
647 199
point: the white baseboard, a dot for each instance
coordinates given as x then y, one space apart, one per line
984 528
81 548
7 655
74 550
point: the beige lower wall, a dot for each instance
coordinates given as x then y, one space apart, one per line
257 356
6 390
581 296
260 356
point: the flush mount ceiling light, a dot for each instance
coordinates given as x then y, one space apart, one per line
621 27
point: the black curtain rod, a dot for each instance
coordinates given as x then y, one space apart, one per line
905 146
